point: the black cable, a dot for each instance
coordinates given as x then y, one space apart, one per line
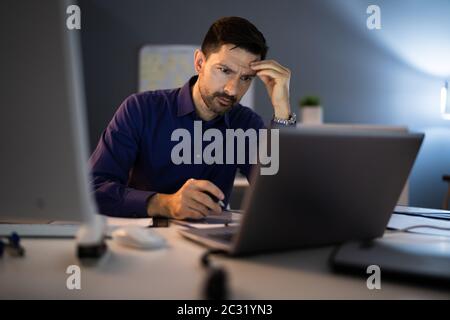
216 284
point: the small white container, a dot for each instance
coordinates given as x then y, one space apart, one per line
311 115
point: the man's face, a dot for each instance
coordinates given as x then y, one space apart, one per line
225 77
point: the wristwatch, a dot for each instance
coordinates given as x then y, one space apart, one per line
287 122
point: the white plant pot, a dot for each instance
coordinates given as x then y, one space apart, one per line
312 115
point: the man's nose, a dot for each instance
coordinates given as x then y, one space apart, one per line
231 87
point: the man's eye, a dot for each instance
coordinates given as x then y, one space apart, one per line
224 70
246 78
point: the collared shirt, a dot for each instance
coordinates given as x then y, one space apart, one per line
133 161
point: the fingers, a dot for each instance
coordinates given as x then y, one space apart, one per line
270 64
194 206
271 78
197 208
205 185
206 201
189 208
191 201
269 73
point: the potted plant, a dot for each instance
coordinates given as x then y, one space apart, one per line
311 110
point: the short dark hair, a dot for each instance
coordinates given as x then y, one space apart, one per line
237 31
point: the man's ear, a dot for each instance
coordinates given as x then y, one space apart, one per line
199 60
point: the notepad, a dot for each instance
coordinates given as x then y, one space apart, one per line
400 221
424 212
230 218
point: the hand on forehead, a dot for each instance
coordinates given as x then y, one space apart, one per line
235 58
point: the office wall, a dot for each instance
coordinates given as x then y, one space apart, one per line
324 42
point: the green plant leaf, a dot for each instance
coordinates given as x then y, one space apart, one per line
310 101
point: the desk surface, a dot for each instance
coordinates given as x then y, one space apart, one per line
175 273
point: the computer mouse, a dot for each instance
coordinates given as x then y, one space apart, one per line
138 238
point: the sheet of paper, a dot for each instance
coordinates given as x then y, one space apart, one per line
229 218
122 222
425 211
399 221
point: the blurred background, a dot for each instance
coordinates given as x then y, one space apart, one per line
391 76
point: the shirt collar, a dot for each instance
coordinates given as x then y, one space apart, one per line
186 102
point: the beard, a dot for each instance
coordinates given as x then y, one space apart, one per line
217 102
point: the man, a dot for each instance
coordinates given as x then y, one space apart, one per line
133 174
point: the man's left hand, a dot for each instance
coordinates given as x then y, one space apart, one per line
276 79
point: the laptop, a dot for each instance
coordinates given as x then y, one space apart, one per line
332 186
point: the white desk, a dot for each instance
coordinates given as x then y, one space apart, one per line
175 273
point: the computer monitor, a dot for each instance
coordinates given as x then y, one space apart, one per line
43 135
